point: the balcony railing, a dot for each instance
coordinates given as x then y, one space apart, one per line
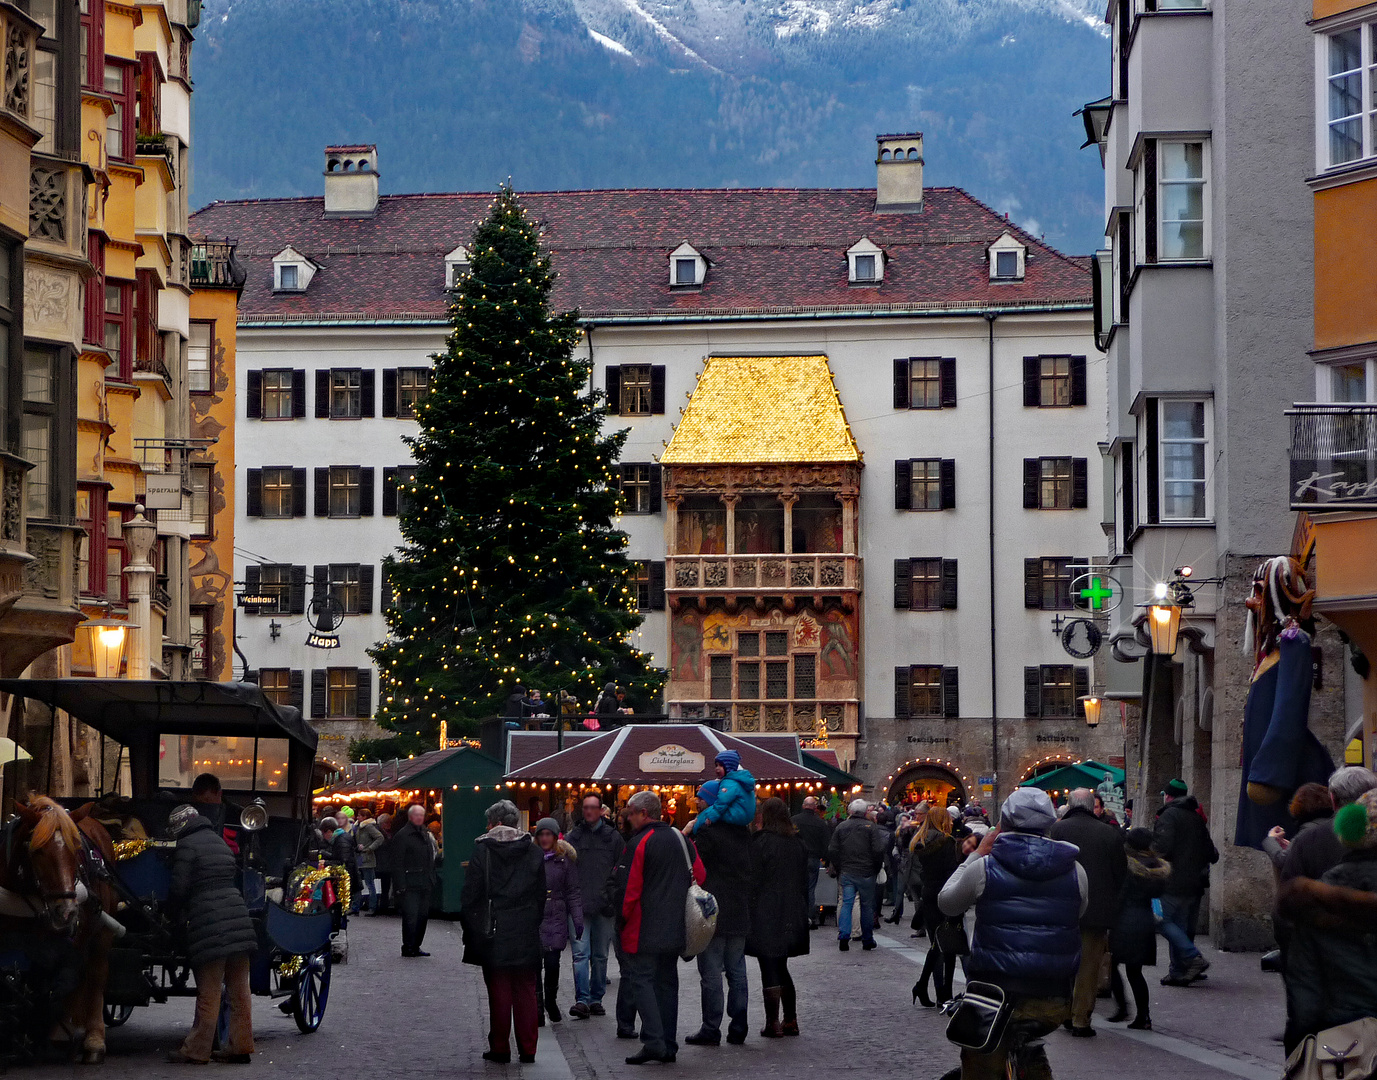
1333 457
213 265
790 716
763 573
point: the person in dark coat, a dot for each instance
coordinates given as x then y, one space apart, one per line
651 893
599 846
1102 856
935 854
342 847
1133 940
779 913
563 905
1183 839
412 858
607 703
855 855
501 909
1312 852
220 937
726 854
816 834
1331 964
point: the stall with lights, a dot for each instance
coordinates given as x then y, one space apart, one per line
455 785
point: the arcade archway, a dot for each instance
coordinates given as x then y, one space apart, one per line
927 782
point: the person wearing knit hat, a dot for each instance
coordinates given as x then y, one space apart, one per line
735 795
563 904
1029 894
1175 789
1331 959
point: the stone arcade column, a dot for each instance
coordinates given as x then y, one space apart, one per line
140 534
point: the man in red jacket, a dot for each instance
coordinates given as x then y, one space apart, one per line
652 884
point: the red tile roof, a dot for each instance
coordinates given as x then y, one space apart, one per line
769 251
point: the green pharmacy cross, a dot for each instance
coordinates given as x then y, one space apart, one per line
1098 592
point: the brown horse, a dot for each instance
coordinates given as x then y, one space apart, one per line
49 872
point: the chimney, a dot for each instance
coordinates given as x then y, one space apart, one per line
351 181
899 173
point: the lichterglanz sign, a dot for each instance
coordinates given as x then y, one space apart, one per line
672 758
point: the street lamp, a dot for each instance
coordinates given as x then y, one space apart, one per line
1092 703
1164 624
105 640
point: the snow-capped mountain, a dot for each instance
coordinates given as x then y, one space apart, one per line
616 93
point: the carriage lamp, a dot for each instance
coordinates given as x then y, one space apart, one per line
1164 624
105 640
1092 703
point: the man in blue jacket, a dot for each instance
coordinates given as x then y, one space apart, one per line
1029 893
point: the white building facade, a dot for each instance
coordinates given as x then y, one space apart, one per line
963 359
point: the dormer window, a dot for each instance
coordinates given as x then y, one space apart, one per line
292 271
865 263
1007 257
687 268
456 267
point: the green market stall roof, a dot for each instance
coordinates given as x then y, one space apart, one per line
656 754
825 762
1082 774
437 770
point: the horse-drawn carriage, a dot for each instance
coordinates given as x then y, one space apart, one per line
168 734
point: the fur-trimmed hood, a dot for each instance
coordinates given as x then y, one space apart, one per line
1147 866
563 847
503 833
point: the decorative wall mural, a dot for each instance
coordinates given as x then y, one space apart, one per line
838 653
686 648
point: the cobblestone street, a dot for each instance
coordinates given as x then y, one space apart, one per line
420 1018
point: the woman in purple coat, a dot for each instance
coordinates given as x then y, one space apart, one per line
562 904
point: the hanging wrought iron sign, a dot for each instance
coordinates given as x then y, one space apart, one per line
1096 591
325 615
1081 638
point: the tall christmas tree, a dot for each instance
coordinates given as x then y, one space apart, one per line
511 570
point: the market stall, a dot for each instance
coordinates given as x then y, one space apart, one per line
456 786
672 759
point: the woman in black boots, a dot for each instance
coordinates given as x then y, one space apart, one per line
1133 940
779 913
937 853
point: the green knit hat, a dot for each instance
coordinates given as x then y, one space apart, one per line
1175 788
1356 823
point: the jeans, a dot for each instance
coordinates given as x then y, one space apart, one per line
415 905
654 987
814 865
590 957
851 887
369 875
1178 927
725 954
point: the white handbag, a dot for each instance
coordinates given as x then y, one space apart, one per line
700 910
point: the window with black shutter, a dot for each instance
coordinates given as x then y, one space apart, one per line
298 393
1080 483
949 382
931 484
1128 501
657 585
366 491
298 493
657 389
366 589
323 394
322 499
319 691
389 399
951 693
637 389
1047 582
1051 691
297 590
949 584
1056 483
641 487
612 388
253 400
925 382
1082 689
901 700
903 481
389 492
367 392
253 493
926 691
1078 381
363 705
1032 692
1154 510
276 684
948 474
296 688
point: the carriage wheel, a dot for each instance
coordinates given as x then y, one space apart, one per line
115 1015
312 990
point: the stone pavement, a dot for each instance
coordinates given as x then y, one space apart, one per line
397 1018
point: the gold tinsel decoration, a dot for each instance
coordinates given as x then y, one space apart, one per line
132 849
305 887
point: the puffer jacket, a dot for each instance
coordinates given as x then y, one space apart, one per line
735 803
508 870
1027 921
563 898
203 889
1331 961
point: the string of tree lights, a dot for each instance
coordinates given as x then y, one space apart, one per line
510 571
